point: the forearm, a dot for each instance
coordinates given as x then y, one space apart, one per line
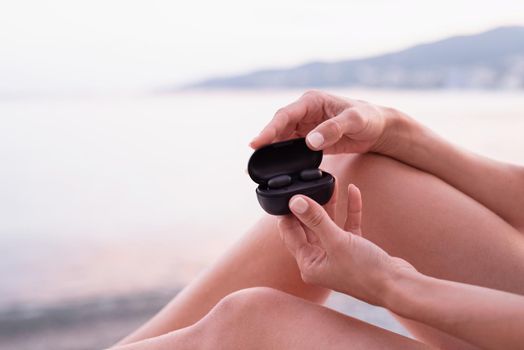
499 186
484 317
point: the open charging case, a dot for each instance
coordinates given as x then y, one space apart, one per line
288 160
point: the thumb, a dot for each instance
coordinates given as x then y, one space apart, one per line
314 217
350 121
294 237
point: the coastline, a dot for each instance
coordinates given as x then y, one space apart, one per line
91 323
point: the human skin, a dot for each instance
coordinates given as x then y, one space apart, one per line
432 209
263 318
346 262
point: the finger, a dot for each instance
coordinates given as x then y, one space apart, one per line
292 233
315 218
294 237
354 213
281 121
285 119
312 237
349 122
331 206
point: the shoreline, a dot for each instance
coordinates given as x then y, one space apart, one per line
91 323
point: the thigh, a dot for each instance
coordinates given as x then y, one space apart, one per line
264 318
437 228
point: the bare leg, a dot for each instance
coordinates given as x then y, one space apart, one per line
259 259
411 214
263 318
437 228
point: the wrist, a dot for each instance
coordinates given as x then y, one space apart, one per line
403 285
399 135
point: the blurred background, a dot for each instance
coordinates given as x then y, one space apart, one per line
124 128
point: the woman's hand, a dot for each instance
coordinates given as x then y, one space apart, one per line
346 262
338 259
335 125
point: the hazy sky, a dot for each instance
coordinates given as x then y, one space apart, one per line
105 44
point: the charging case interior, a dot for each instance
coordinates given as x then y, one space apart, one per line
288 158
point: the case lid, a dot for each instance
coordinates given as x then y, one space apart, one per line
286 157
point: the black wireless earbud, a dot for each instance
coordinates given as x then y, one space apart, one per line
279 181
310 174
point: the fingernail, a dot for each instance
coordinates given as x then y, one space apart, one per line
315 139
298 205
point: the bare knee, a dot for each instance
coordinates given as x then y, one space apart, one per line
246 301
241 317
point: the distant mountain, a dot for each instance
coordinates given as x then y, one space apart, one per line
489 60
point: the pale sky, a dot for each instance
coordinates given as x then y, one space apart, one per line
109 44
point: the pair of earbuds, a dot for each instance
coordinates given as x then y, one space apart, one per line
285 180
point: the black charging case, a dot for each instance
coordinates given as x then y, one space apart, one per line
288 158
